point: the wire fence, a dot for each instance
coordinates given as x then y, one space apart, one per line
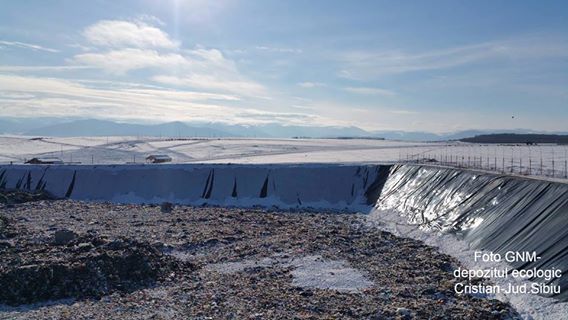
541 160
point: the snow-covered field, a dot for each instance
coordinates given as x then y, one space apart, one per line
102 150
541 160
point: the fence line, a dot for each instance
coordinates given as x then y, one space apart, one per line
512 159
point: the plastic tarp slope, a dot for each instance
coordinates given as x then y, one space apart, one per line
286 186
491 212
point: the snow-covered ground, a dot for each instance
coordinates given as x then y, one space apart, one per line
101 150
541 160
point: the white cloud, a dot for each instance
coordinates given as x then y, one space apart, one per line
40 68
124 60
61 87
211 61
302 107
279 49
311 84
127 34
198 68
403 112
288 118
365 65
355 90
209 85
58 97
15 95
151 20
35 97
24 45
240 87
198 12
369 91
200 60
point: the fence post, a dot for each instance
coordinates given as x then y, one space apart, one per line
553 170
565 162
512 164
530 160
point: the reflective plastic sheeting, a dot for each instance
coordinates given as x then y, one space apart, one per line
492 212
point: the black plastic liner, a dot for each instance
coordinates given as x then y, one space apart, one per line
491 212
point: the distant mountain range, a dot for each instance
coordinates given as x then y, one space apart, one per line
91 127
109 128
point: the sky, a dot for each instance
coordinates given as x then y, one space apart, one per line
437 66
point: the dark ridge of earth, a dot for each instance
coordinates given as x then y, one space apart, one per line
13 196
518 138
77 260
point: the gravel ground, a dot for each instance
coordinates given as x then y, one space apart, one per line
65 259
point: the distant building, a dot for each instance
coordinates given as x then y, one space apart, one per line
44 161
158 158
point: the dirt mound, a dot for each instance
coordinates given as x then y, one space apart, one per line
88 267
5 230
18 196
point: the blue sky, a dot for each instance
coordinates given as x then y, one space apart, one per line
437 66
